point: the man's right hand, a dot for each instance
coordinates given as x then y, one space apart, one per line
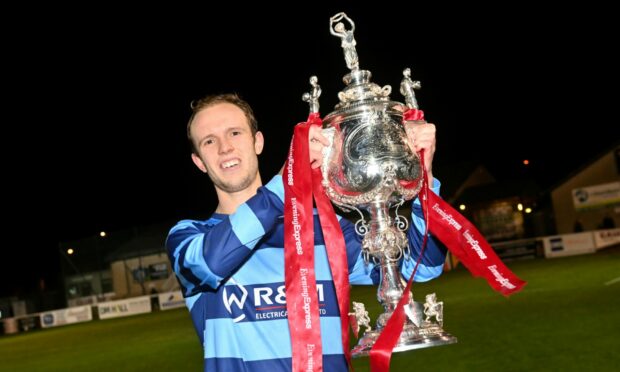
317 142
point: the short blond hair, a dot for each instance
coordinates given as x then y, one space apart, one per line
214 99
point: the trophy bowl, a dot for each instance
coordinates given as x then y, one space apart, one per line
370 156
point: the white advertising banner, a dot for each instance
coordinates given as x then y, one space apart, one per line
130 306
86 300
171 300
568 244
66 316
606 238
596 196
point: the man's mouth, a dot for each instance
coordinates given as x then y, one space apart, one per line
229 164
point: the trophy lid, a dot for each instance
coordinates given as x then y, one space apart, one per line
359 88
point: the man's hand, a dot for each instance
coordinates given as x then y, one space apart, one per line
317 142
421 135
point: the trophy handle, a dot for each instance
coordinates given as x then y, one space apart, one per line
312 97
407 87
327 151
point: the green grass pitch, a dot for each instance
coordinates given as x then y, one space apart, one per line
566 319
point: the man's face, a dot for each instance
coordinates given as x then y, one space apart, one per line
227 151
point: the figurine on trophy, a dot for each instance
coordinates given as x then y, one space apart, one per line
370 166
348 41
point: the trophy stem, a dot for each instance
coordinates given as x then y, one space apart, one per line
390 287
386 244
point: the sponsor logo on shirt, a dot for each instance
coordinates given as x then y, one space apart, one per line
261 303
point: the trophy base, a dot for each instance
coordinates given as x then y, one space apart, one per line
411 338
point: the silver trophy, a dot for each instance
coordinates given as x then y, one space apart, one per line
367 166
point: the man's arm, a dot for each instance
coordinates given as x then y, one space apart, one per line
422 136
434 255
203 254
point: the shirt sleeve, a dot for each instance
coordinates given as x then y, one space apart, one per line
360 273
434 255
203 253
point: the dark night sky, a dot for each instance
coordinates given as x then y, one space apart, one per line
107 96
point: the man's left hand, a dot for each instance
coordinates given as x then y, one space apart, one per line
421 135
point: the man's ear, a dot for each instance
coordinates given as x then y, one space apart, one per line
259 142
196 159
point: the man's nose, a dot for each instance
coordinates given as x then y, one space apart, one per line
225 146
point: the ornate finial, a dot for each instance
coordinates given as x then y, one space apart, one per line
337 28
433 308
406 89
361 316
313 96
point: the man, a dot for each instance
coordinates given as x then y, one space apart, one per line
231 266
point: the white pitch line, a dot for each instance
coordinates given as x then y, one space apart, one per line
613 281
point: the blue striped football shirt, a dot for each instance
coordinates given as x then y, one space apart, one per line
231 271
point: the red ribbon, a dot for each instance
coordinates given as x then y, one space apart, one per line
300 282
337 256
463 240
413 115
302 303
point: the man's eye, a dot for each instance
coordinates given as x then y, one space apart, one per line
236 133
209 142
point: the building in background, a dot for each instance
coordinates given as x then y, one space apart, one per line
590 198
503 211
141 266
119 264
